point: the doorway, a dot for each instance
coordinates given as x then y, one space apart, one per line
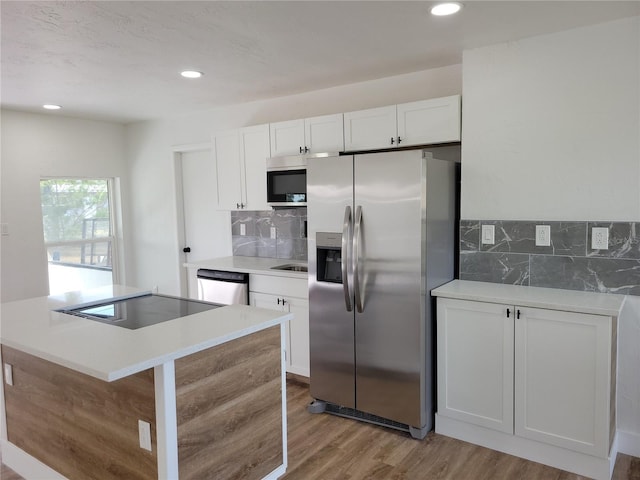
204 231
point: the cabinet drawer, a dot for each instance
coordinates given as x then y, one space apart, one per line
284 286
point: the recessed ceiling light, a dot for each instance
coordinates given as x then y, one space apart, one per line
50 106
448 8
191 74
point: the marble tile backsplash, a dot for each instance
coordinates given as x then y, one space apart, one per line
569 262
290 232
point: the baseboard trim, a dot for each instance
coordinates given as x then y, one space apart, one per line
629 443
25 465
277 473
557 457
298 378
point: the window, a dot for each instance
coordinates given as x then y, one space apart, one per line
77 217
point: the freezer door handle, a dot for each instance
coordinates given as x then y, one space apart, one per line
346 239
357 241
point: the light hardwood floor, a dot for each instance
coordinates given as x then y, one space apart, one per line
331 448
328 447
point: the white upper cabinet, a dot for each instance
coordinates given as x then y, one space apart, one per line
416 123
254 151
429 121
324 133
240 157
226 153
370 129
287 138
309 135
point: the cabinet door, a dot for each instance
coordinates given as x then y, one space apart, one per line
226 153
297 330
265 300
563 365
273 302
370 129
324 134
254 151
429 121
287 138
298 336
475 363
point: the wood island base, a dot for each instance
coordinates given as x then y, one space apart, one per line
218 413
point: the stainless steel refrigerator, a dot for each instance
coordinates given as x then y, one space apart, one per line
381 237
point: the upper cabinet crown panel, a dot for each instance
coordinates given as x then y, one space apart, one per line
415 123
429 121
370 129
309 135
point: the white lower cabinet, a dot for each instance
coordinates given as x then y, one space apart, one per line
544 378
563 379
475 363
289 295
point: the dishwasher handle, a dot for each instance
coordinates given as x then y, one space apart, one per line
223 276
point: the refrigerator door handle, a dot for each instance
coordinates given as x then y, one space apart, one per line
357 239
346 239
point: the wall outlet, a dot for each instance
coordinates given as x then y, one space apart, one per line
5 229
488 234
600 238
243 229
144 431
543 235
273 233
8 374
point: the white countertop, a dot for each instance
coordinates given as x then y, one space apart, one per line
255 265
109 352
550 298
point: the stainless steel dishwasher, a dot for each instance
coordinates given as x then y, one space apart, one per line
224 288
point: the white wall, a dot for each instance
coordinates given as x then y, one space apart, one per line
34 146
152 227
551 131
550 127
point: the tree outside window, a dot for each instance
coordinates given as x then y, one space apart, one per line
78 232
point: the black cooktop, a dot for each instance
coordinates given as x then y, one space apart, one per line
140 311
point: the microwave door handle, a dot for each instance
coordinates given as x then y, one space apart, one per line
346 241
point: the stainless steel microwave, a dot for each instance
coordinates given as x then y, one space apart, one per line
287 181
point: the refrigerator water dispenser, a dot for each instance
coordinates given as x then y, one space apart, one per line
329 257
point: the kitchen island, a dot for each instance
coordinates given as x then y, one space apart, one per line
84 399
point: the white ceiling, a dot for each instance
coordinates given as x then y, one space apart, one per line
120 60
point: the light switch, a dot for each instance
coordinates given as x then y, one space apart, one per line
5 229
488 234
243 229
273 233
